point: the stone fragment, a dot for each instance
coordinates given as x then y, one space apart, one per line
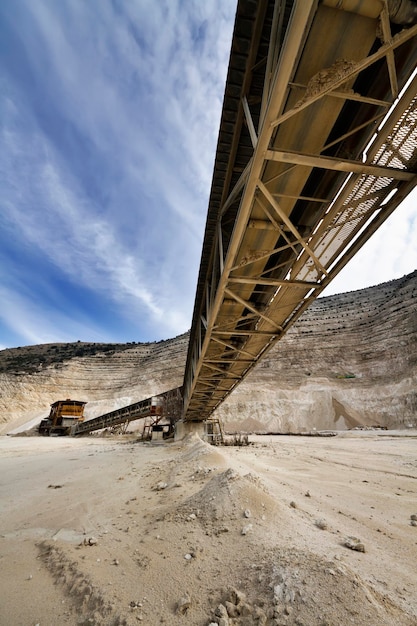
321 523
237 597
91 541
413 517
161 485
221 611
245 609
293 504
278 609
183 604
246 529
413 522
232 609
259 615
353 543
247 513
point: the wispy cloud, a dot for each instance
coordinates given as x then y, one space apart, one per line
111 115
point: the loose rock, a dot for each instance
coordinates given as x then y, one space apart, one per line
183 604
246 529
237 596
221 611
91 541
321 523
353 543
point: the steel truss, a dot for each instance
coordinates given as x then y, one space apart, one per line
315 151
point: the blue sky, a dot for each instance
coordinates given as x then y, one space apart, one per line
109 114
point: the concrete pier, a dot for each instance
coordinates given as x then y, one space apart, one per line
182 429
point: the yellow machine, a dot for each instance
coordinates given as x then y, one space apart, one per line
63 415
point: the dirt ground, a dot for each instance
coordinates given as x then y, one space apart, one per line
303 531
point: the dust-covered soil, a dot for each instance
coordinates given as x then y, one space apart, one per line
288 531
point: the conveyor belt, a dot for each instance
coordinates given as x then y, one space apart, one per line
166 405
317 147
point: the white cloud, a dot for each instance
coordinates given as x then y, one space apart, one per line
108 144
34 324
144 103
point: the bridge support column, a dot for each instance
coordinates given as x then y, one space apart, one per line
182 429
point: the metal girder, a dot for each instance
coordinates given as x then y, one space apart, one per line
386 33
304 182
311 160
246 333
347 95
249 121
250 307
234 348
243 280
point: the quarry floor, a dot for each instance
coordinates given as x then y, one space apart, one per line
109 531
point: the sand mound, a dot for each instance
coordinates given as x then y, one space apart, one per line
227 496
294 588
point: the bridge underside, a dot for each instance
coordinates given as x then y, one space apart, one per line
317 147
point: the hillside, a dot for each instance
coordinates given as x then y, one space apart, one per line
351 359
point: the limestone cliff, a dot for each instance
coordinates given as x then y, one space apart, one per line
350 359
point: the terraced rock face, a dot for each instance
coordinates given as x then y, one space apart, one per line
351 359
106 379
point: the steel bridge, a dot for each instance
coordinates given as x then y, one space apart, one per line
317 147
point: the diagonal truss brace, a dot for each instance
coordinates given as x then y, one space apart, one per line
249 121
290 225
332 163
234 348
250 306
